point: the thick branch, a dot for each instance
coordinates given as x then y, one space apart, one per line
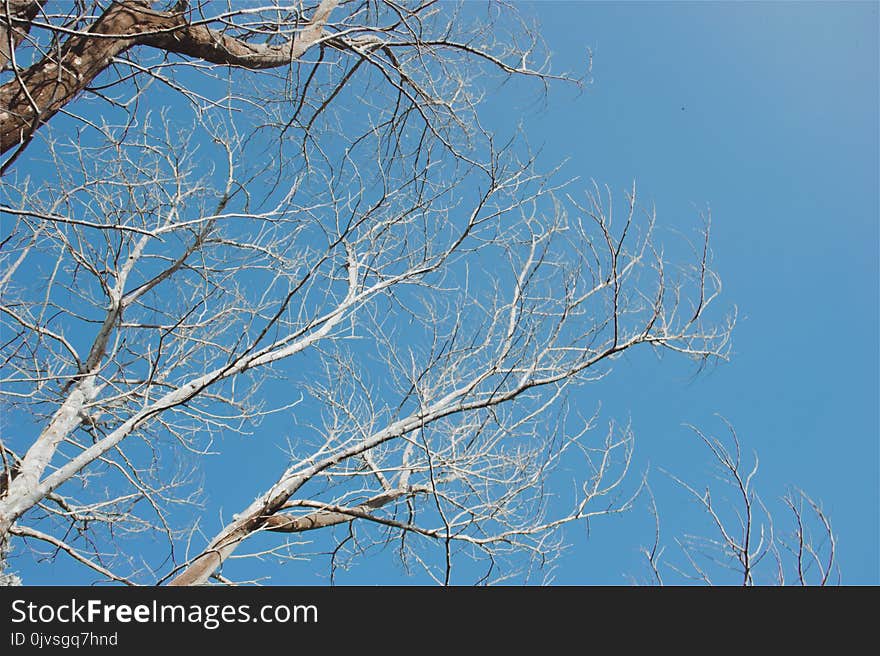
332 515
36 95
15 20
202 42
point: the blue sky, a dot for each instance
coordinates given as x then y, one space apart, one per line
767 113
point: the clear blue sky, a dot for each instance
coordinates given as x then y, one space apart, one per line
768 114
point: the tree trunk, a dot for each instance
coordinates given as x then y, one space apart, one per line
38 93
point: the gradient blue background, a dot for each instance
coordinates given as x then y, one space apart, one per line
767 113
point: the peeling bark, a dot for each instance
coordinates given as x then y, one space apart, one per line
323 518
257 517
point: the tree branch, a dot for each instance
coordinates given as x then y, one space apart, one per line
46 87
212 46
15 21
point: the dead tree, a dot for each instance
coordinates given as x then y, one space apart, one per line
215 215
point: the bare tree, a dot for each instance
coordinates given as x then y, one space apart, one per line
240 211
742 543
